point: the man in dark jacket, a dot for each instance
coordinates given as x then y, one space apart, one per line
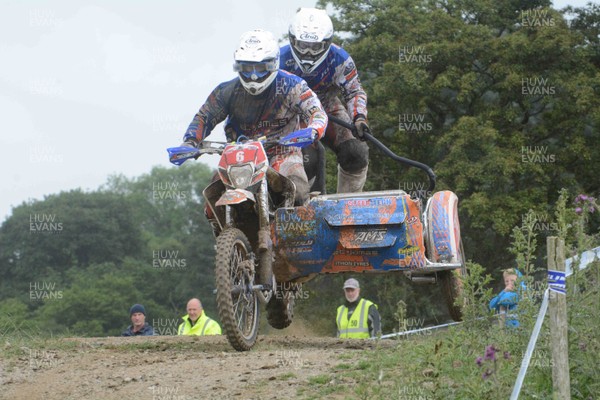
139 326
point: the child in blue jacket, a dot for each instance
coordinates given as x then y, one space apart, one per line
507 299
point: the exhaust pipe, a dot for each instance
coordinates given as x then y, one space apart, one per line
422 279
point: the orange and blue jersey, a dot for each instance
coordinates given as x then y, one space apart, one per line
337 73
277 111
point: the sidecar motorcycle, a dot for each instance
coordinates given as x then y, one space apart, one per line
266 247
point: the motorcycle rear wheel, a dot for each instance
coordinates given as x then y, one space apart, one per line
237 303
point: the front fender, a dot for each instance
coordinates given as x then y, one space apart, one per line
235 196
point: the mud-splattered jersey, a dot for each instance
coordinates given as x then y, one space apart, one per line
275 112
337 73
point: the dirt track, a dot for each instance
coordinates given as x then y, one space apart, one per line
167 367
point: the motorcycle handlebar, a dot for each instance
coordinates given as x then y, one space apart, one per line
208 147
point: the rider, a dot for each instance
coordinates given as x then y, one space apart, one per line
263 101
329 70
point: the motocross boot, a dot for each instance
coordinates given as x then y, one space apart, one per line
351 183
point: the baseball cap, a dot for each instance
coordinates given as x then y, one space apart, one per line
351 283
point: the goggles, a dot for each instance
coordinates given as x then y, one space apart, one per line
255 70
312 48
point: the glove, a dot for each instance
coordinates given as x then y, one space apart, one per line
315 135
360 122
190 142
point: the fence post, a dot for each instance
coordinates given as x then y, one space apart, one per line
557 309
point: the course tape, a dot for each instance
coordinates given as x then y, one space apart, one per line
390 335
584 260
530 347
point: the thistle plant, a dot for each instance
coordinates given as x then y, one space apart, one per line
489 363
585 206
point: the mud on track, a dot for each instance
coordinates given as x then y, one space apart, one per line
172 367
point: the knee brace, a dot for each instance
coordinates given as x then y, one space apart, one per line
353 155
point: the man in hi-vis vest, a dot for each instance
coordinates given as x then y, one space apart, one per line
196 322
357 318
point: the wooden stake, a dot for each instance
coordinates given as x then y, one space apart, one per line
557 309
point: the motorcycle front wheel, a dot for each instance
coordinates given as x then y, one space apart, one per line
237 302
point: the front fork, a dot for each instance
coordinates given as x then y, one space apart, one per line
265 244
265 282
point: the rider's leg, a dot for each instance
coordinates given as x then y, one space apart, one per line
314 165
290 165
352 166
352 154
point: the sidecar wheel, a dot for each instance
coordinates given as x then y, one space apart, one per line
237 303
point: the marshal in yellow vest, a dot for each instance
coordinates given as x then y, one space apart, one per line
203 326
357 327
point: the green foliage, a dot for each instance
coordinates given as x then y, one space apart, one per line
400 316
475 296
509 98
13 317
76 261
43 239
525 243
563 216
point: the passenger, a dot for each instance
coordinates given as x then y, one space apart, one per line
330 71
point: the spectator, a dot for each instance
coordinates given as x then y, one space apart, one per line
507 300
196 322
139 326
358 318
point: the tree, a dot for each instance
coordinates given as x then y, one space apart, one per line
79 260
501 99
170 210
41 240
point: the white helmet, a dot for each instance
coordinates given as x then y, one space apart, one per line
311 32
257 60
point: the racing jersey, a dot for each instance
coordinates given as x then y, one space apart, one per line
277 111
337 73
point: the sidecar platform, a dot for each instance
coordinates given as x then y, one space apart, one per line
365 232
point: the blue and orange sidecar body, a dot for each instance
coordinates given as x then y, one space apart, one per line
367 232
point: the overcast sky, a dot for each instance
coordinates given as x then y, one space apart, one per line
89 90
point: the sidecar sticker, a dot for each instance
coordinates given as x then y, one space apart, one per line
370 211
362 237
295 228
